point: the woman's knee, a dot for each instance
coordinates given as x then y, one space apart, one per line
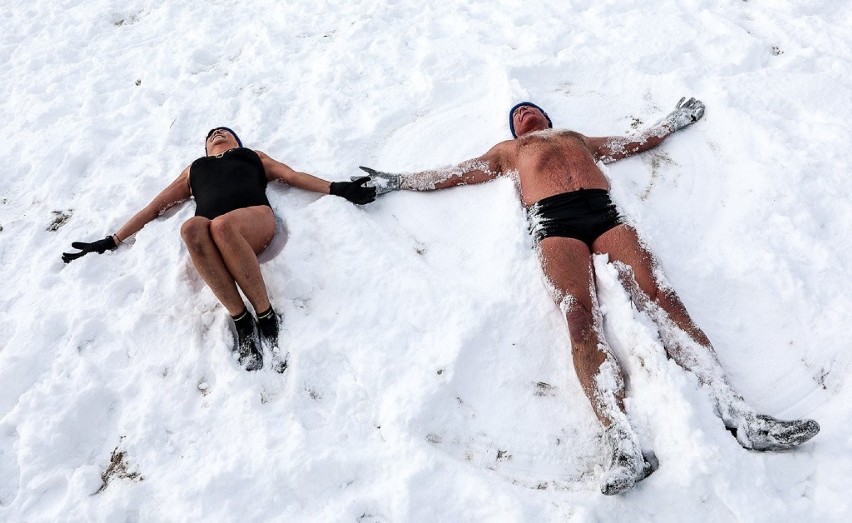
222 229
195 232
257 229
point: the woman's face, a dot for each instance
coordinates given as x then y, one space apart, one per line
220 136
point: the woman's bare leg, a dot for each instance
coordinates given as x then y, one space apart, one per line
240 236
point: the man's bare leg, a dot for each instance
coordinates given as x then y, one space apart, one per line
639 272
240 236
687 345
567 266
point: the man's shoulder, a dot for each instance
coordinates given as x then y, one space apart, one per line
573 134
503 153
505 145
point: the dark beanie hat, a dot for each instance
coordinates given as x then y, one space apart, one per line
530 104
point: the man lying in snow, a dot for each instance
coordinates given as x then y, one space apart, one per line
233 224
571 216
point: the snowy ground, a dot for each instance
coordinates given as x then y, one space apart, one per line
431 378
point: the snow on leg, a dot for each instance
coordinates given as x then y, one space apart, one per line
567 265
690 348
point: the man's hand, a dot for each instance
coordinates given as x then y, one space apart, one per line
383 182
100 247
685 113
355 191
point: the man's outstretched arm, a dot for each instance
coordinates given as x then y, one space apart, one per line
478 170
611 148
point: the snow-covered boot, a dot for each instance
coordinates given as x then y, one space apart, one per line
625 464
762 432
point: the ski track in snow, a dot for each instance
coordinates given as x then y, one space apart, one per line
430 376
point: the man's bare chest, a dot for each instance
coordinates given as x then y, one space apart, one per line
554 157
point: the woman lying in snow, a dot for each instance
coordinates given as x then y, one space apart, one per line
233 224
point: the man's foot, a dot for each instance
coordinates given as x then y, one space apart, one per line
267 324
626 465
762 432
248 345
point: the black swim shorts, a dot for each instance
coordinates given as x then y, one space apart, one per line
583 215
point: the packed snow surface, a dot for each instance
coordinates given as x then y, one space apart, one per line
431 376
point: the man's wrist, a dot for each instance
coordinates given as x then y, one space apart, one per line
401 183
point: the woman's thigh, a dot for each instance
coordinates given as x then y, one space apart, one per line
255 224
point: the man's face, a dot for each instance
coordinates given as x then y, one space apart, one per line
527 119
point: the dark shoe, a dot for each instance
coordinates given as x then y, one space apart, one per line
626 464
762 432
248 345
268 325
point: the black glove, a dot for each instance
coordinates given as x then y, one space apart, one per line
354 191
100 247
383 182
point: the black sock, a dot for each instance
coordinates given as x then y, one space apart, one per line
244 323
268 324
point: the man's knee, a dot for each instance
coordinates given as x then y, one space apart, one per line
580 318
195 232
647 290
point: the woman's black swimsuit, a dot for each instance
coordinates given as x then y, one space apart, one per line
221 184
583 215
